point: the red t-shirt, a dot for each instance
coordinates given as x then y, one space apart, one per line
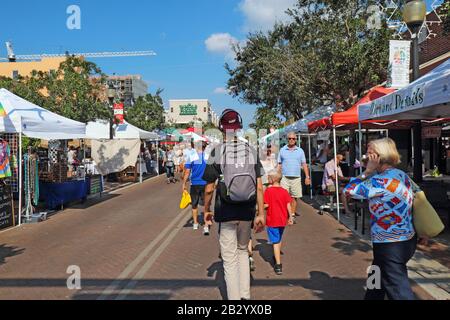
277 214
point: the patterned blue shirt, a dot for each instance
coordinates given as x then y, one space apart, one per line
291 161
391 197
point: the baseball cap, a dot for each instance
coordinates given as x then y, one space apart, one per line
230 120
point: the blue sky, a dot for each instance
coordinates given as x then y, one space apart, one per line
191 38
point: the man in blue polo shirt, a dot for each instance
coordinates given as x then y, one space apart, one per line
195 168
291 160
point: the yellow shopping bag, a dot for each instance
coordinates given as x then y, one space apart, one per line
185 200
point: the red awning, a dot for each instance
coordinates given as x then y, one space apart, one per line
351 115
349 119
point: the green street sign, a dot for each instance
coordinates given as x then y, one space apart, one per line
188 110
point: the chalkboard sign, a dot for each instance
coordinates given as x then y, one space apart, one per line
7 219
96 185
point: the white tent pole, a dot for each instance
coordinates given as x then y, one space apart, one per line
140 165
310 166
412 148
157 157
20 178
336 175
360 147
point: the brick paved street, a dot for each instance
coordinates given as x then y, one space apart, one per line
136 244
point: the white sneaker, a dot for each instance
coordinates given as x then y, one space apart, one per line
206 231
196 225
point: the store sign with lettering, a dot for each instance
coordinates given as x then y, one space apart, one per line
431 132
393 103
188 110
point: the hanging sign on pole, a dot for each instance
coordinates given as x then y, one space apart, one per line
399 63
118 113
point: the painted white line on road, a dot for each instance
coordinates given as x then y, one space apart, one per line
144 269
129 269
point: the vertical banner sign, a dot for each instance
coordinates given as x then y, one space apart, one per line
118 113
399 63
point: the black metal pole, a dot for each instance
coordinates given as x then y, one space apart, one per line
418 175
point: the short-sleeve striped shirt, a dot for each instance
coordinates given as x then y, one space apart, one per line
291 161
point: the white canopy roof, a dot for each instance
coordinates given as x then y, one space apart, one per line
194 136
19 115
100 130
426 98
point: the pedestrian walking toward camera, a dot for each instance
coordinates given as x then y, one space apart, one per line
277 201
390 194
291 160
236 167
169 165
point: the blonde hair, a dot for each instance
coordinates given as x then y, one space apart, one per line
275 176
387 150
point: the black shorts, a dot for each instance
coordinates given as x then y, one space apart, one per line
197 196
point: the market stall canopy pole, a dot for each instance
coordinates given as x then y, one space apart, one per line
18 115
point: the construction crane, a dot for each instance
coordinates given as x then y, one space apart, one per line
33 57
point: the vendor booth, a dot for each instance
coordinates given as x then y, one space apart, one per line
19 118
123 155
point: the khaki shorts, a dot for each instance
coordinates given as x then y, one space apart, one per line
293 186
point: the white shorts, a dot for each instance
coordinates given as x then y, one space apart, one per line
293 185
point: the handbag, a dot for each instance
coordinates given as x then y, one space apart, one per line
426 221
185 200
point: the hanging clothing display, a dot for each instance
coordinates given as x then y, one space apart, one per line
5 169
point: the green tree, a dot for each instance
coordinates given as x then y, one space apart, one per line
266 118
148 112
75 90
327 53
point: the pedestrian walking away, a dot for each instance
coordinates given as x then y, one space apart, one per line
291 160
277 201
169 165
238 171
194 170
390 194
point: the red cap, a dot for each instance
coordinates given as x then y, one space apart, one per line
230 120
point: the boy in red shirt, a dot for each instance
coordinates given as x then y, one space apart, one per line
277 201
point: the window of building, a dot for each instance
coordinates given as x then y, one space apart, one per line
171 110
15 74
204 109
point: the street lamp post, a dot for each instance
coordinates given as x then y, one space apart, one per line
111 97
414 14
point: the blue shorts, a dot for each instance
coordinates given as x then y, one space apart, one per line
275 234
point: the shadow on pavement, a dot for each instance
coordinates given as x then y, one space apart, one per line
350 244
93 202
6 252
217 269
319 283
265 251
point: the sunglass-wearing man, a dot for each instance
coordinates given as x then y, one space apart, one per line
291 160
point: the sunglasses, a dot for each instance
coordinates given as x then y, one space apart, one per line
295 139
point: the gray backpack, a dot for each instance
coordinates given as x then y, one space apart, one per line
238 184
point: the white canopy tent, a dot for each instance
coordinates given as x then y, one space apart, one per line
426 98
195 137
99 130
128 131
19 116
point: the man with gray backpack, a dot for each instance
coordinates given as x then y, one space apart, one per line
235 166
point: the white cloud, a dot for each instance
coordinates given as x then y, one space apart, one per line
262 14
221 43
221 90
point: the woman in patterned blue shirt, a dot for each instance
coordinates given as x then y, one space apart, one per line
390 196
